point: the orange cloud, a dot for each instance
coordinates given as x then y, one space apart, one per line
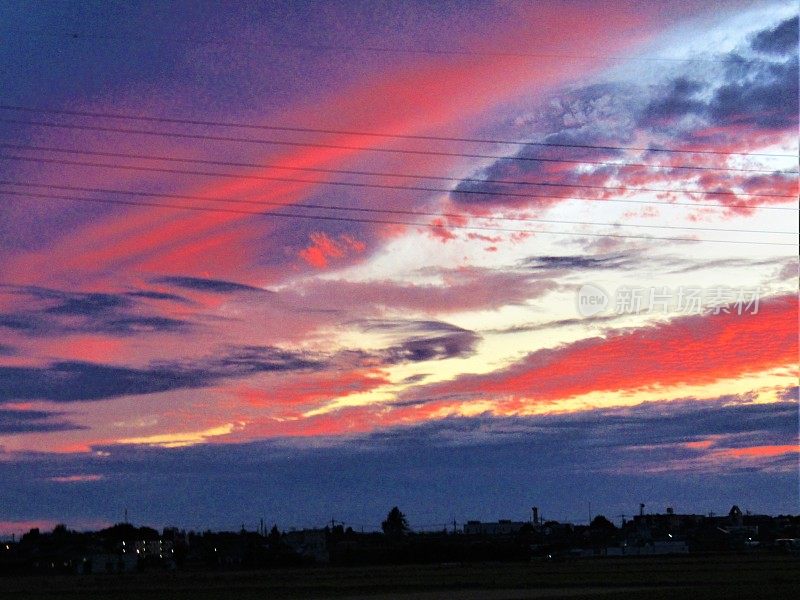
691 350
324 248
82 478
759 451
312 390
419 95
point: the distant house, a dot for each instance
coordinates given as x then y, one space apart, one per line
104 562
735 524
154 548
790 545
650 548
309 543
501 527
659 547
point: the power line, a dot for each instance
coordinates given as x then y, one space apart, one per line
226 163
579 198
380 221
378 185
78 35
344 172
353 132
379 210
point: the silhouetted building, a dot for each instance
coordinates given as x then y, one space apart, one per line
106 562
309 543
501 527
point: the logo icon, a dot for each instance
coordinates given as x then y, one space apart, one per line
592 300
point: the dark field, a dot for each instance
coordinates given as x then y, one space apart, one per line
722 577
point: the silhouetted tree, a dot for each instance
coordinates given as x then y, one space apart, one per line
396 524
525 533
601 530
274 536
601 523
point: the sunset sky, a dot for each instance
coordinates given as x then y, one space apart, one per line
309 260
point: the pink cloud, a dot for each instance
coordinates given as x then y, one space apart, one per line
464 290
324 248
691 350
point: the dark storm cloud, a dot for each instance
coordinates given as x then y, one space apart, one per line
208 285
679 99
428 340
61 302
572 263
768 98
618 429
50 312
88 304
754 91
782 39
747 90
479 467
132 325
248 360
39 325
23 323
453 345
71 381
613 430
150 295
30 421
692 420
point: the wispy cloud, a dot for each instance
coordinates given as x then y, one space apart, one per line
685 350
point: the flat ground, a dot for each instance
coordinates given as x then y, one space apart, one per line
707 577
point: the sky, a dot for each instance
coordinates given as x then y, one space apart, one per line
297 261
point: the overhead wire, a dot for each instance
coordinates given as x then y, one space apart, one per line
17 146
317 47
233 124
337 207
384 221
358 184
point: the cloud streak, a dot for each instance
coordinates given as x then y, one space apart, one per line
697 349
610 455
74 381
749 102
